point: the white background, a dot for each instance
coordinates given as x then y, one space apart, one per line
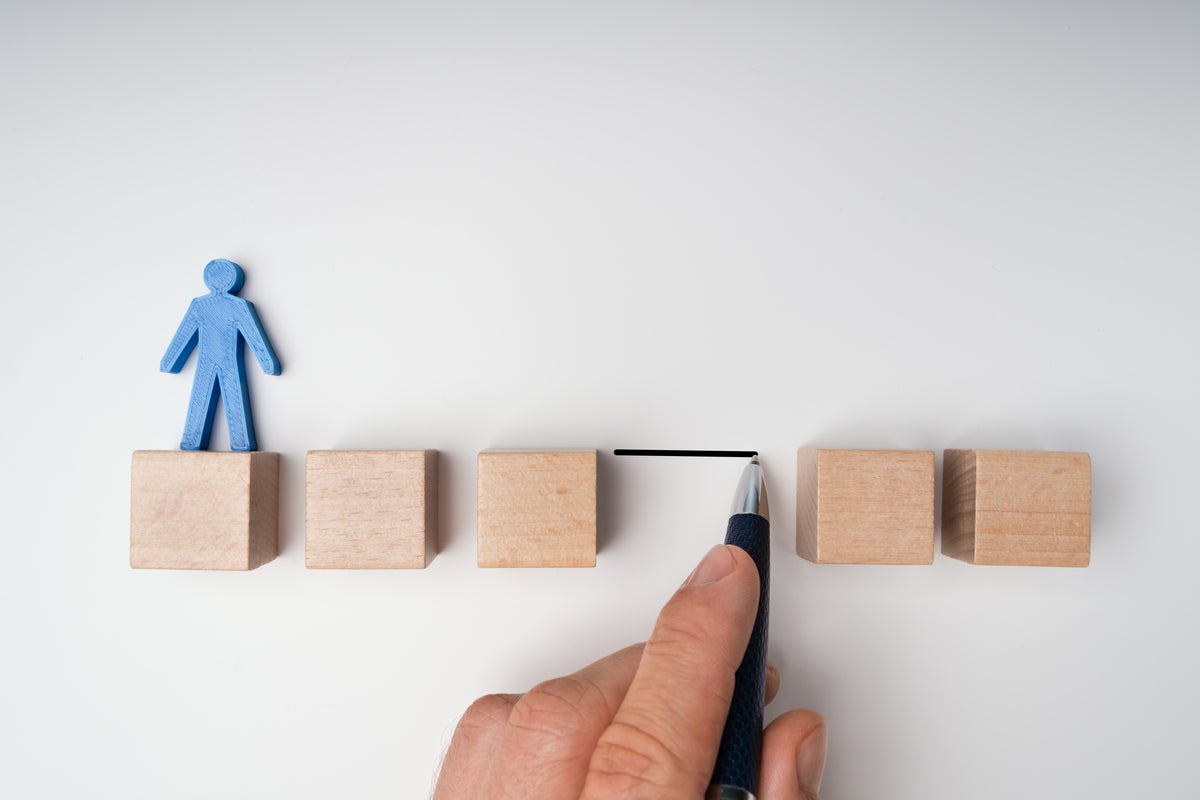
736 225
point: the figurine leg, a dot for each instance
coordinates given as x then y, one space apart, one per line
201 410
237 411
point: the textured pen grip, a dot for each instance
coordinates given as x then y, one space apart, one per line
741 743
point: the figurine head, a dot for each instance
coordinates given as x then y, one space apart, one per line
222 275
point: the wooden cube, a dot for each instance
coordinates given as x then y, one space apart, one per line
193 509
1017 508
865 506
537 508
370 509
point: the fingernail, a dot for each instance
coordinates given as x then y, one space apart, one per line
810 761
715 565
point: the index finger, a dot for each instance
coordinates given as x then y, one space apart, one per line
663 741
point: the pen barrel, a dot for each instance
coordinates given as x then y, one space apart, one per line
741 743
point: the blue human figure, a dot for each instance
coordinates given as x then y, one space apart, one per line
218 323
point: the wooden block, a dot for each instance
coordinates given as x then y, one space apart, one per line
537 508
1017 508
370 509
199 510
864 506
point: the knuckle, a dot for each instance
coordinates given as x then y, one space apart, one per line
682 638
556 708
686 641
488 713
630 762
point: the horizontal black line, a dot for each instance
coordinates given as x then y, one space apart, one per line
694 453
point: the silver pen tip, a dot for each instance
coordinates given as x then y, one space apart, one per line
751 495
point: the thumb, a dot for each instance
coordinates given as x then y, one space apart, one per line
663 740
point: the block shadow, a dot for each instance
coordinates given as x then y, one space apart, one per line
610 514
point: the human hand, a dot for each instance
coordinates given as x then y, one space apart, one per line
644 722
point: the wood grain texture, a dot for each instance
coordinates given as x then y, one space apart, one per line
370 509
1017 508
201 510
865 506
537 508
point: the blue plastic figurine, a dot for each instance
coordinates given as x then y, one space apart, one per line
219 322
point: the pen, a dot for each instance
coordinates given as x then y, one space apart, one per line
735 776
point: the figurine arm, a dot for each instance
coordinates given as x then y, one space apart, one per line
180 348
256 337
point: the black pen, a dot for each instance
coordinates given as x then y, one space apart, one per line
735 776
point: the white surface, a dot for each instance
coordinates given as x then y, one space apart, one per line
735 225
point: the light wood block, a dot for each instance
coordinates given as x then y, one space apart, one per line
537 508
1017 508
865 506
370 509
195 509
